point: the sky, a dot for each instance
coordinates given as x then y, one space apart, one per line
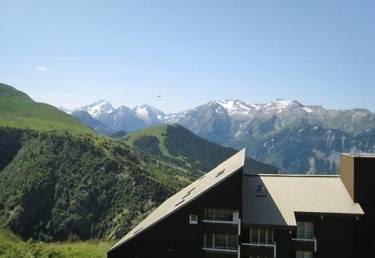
188 52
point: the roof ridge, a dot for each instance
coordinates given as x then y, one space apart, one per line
214 177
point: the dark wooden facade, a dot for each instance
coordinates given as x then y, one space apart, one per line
364 194
344 236
334 238
174 237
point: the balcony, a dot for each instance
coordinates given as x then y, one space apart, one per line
232 229
258 250
305 244
221 216
219 253
222 221
220 243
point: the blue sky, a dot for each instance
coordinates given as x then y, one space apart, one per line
72 53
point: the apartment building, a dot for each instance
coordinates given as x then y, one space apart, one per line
227 213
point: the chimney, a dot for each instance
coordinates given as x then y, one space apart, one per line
347 173
357 172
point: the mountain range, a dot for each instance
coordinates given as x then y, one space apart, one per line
59 179
287 134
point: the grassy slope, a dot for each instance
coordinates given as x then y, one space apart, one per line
134 139
176 143
58 178
12 246
20 111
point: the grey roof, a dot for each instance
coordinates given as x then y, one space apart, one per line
287 194
188 194
360 155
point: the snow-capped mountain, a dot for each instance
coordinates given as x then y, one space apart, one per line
98 108
122 118
285 133
149 114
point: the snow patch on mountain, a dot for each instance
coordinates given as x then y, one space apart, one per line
234 107
142 113
175 117
308 110
98 108
280 105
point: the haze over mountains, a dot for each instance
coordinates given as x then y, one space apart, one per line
287 134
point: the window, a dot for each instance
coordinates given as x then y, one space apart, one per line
305 230
220 241
232 241
253 236
261 190
302 254
219 214
193 219
261 236
222 214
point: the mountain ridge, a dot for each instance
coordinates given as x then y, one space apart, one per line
238 124
67 182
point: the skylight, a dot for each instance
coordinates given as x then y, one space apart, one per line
179 202
220 173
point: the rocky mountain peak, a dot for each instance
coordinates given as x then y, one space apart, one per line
98 108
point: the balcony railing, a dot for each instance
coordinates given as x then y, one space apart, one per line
259 249
309 244
220 221
236 222
220 249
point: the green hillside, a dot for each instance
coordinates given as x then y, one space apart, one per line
177 144
20 111
12 246
57 184
58 179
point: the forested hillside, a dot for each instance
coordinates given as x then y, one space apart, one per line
60 180
57 184
177 144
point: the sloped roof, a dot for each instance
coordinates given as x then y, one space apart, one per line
360 155
287 194
188 194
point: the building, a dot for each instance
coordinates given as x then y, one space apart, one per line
227 213
358 174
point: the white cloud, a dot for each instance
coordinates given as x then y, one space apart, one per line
40 68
